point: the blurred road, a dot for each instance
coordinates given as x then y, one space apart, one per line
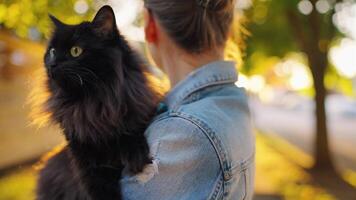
292 118
19 141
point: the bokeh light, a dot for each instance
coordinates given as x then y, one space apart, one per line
305 7
343 56
81 6
299 76
322 6
345 18
126 15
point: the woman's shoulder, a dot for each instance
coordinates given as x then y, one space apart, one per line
174 127
222 115
181 153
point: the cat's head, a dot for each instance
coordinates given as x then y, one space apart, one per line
84 58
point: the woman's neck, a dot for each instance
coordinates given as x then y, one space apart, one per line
183 63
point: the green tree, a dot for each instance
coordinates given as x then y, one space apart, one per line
29 19
278 27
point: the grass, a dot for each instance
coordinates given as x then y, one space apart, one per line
280 174
18 185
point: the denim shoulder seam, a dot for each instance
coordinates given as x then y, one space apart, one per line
244 164
196 88
224 159
218 187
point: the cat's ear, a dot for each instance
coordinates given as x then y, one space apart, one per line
104 22
56 21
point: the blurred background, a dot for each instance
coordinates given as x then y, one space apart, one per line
297 59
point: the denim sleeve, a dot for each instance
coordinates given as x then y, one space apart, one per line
185 164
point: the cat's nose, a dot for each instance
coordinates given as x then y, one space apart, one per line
51 59
51 65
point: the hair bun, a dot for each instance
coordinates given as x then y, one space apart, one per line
204 3
195 25
214 5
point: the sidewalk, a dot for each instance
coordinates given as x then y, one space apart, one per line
19 141
278 175
282 173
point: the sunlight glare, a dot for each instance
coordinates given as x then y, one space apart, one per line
345 18
81 6
243 4
322 6
254 84
298 75
343 56
300 79
257 83
126 13
243 81
305 7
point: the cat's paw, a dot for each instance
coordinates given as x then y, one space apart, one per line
137 162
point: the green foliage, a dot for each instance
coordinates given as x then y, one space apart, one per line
278 28
29 19
19 185
336 82
269 28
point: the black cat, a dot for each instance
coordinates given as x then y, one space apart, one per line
101 99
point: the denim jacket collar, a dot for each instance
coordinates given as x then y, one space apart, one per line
214 73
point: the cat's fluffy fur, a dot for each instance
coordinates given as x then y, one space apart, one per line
102 101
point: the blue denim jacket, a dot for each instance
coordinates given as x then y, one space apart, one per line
202 142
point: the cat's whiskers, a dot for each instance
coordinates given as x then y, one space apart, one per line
87 69
80 78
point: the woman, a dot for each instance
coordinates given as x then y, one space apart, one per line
201 140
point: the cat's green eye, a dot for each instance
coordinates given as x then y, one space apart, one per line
75 51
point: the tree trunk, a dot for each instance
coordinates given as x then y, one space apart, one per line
323 160
308 41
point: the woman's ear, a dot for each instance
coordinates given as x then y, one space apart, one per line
151 31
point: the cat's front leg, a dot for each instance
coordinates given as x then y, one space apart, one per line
58 181
99 178
102 182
